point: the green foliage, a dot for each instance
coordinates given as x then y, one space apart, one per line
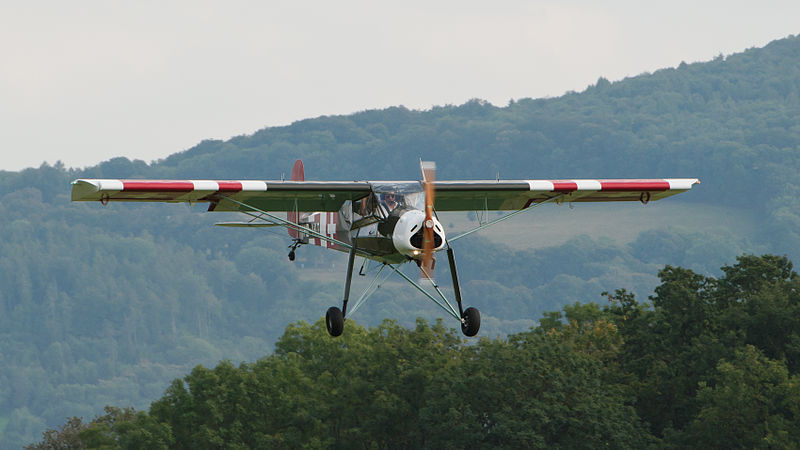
67 436
697 328
313 391
680 373
754 404
391 387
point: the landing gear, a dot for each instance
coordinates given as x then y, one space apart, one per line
334 320
470 322
470 318
295 243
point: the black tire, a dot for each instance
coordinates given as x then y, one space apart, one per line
334 320
291 255
471 322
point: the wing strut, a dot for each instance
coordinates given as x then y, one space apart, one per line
286 223
373 286
507 216
443 303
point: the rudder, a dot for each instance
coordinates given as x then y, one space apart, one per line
298 174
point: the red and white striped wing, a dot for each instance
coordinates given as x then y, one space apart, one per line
514 195
225 195
331 195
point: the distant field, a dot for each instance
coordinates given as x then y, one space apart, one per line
550 225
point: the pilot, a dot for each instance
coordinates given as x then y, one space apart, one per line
389 201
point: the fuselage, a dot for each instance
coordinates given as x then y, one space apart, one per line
383 231
396 238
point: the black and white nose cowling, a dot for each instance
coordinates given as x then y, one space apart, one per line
407 236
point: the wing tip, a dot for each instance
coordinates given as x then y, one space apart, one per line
683 184
83 190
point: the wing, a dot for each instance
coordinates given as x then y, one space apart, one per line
226 195
330 195
516 195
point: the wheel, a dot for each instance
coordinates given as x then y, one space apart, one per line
470 322
291 255
334 320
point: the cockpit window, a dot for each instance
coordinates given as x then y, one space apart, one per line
369 206
393 195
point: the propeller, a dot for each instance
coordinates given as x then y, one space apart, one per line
428 177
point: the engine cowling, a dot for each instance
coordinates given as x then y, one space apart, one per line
407 234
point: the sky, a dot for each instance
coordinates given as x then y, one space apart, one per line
85 81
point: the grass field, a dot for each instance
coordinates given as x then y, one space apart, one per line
553 225
550 225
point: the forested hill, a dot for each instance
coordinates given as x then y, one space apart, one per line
106 305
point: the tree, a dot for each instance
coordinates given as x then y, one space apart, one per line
66 436
754 404
542 389
760 302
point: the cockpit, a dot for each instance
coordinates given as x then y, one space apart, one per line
387 197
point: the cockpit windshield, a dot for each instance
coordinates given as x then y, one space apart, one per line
393 195
386 196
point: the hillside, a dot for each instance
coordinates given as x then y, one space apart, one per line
106 305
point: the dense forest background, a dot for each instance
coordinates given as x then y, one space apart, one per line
105 305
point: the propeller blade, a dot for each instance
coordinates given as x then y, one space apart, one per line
428 177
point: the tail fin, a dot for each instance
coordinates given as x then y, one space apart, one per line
321 222
298 174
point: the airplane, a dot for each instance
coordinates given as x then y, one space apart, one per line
388 222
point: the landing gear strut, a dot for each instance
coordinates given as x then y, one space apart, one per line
470 317
334 319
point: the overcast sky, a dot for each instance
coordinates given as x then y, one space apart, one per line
85 81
